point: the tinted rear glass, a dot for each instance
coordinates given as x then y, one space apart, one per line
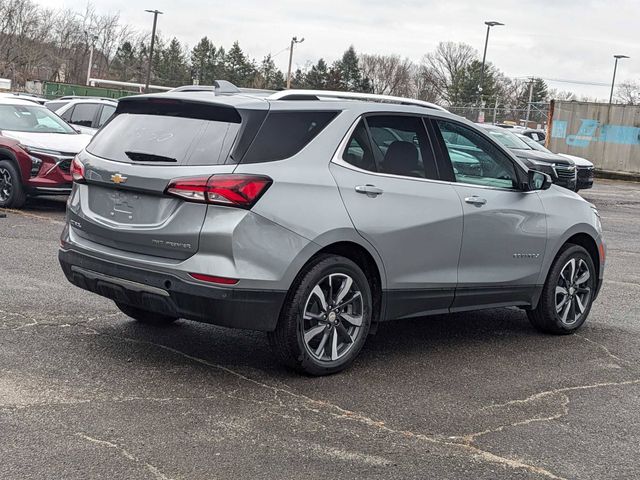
284 134
164 140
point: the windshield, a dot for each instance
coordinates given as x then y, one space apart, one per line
32 119
533 144
508 139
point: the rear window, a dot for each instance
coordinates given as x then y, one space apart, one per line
284 134
164 140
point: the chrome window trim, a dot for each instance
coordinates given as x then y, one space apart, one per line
342 146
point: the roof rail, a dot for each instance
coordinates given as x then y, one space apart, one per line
318 94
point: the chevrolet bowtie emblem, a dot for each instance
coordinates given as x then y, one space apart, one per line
118 179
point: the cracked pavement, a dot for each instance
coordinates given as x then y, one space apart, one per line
85 393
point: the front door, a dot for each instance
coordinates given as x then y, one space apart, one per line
505 229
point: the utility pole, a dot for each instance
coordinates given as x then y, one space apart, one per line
153 41
91 47
484 58
613 82
531 82
495 111
294 40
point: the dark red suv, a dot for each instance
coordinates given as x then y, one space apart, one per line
36 150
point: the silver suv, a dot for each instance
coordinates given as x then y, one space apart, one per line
314 216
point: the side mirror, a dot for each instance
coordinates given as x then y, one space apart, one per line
538 180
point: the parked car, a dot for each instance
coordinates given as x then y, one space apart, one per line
23 96
584 168
537 135
36 149
561 169
87 115
286 214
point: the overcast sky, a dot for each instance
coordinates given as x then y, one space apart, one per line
553 39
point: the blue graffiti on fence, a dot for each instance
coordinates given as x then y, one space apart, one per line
588 132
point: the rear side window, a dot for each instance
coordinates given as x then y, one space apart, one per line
164 140
84 113
107 111
402 145
392 144
284 134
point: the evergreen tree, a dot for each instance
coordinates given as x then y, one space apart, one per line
464 89
269 76
124 62
171 66
299 79
239 69
351 78
318 76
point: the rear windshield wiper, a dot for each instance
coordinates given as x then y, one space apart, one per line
148 157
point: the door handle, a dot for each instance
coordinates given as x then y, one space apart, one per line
475 200
369 190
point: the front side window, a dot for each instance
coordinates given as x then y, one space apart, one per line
476 160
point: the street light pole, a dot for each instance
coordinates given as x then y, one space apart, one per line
93 43
613 82
484 58
153 41
294 40
531 82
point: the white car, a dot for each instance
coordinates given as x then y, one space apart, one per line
87 115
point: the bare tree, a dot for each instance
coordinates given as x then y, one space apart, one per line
388 74
445 67
628 93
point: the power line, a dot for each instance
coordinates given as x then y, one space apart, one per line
561 80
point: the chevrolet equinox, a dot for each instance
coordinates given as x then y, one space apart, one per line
313 216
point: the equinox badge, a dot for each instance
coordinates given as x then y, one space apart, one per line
118 179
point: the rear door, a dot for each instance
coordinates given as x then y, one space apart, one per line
129 165
387 177
505 229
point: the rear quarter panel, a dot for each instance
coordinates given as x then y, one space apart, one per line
304 197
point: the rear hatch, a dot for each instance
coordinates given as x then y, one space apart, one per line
150 141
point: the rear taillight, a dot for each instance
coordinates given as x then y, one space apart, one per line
77 170
231 190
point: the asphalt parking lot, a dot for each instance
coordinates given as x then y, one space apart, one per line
86 393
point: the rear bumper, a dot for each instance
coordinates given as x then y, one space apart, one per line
59 190
170 295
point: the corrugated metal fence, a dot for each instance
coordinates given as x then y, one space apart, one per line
608 135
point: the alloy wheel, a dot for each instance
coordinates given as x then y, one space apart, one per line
573 291
6 184
332 318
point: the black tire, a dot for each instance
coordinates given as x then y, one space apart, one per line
546 317
288 339
14 195
145 316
